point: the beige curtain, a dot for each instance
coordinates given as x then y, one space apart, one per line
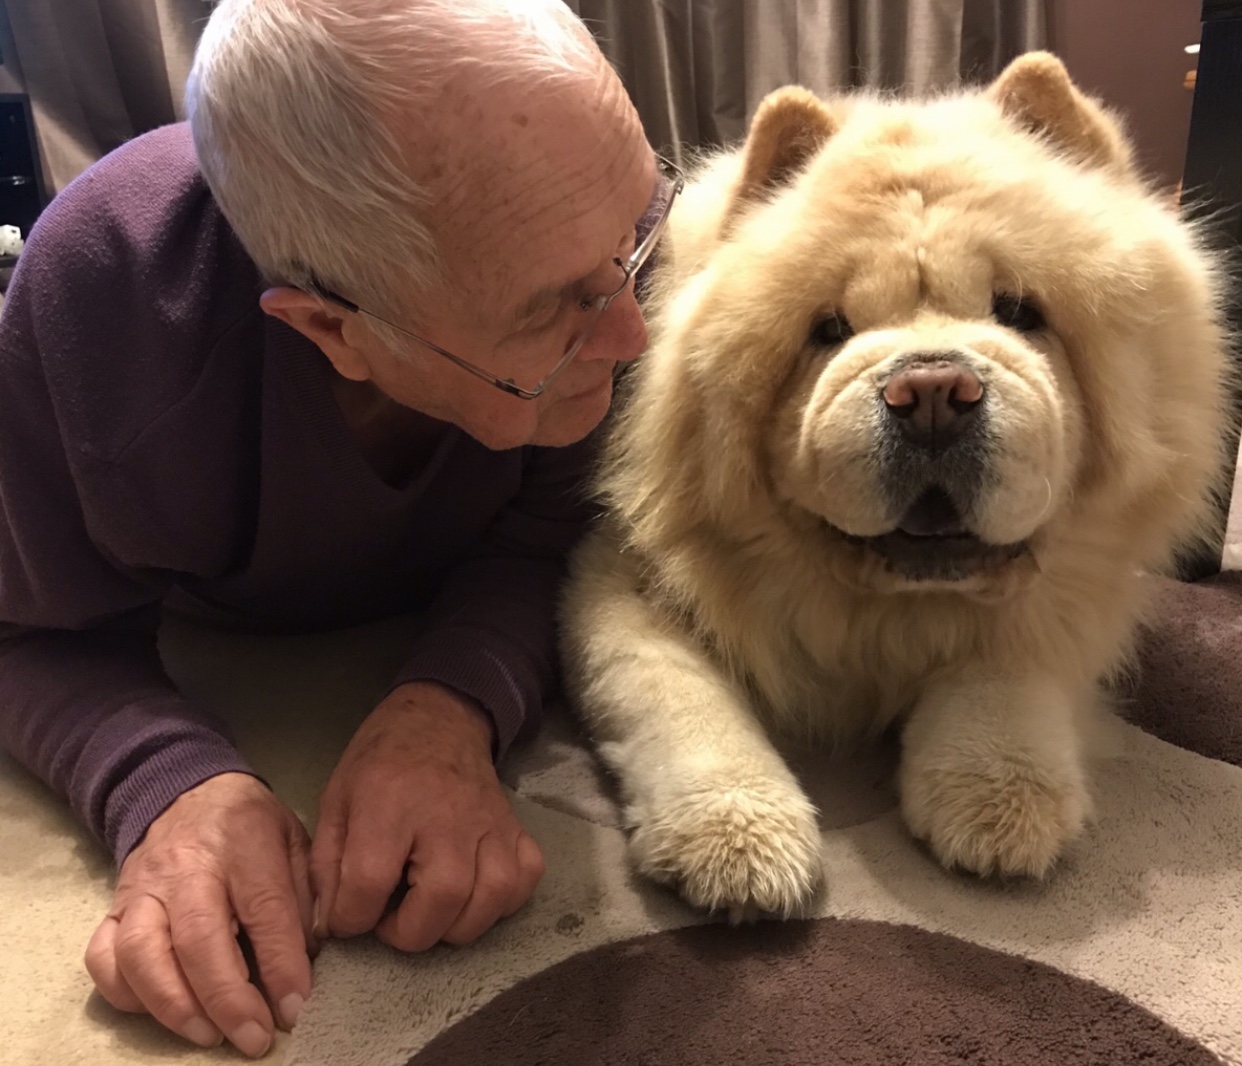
698 68
101 71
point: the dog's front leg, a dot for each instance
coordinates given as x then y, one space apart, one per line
993 772
712 806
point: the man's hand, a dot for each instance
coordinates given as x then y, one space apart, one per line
226 855
415 796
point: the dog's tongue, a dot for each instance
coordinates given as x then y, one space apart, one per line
933 515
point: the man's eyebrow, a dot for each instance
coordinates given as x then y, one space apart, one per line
543 298
550 294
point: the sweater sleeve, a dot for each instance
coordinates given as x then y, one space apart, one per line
84 701
491 632
85 353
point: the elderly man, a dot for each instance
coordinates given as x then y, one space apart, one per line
324 355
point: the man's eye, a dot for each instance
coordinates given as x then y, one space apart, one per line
543 321
553 316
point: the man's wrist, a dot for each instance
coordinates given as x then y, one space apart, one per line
448 705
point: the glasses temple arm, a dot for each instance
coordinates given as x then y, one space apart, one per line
325 293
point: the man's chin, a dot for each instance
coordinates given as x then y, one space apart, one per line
570 418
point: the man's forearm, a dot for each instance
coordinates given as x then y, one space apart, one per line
491 637
94 716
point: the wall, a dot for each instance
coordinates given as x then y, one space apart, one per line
1130 53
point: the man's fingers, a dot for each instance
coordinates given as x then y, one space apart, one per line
505 877
145 958
531 867
212 961
267 901
371 866
325 867
416 784
226 861
456 897
101 964
442 880
299 866
494 881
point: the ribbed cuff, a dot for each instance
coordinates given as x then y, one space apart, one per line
157 776
476 665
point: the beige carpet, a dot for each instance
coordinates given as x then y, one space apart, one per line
1132 953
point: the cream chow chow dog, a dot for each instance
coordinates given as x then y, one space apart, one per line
933 386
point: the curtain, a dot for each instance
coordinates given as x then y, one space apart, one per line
697 69
101 71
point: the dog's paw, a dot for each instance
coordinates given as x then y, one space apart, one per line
745 849
1006 817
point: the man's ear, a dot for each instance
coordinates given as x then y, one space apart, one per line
320 322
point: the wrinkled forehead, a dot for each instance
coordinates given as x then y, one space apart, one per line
547 172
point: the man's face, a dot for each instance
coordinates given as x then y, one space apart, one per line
539 197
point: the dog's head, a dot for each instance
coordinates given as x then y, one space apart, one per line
950 334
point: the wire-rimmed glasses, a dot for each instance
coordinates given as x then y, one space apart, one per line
670 183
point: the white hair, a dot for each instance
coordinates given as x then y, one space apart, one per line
294 107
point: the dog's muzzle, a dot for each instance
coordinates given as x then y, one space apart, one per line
934 462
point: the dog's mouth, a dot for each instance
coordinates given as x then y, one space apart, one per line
933 543
940 556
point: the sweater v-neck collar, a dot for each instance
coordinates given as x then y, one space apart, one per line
306 375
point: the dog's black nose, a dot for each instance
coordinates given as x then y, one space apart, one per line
933 400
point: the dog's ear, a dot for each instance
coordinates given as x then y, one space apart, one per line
789 127
1036 92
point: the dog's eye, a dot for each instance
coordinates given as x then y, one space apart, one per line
1017 313
830 331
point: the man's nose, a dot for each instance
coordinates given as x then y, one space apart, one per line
620 334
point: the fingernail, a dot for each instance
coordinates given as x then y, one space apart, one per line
290 1008
252 1039
201 1032
316 928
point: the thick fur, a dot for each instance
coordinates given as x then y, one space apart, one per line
735 587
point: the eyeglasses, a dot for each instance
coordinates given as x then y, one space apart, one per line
670 183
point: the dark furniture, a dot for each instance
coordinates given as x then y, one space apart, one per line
1212 181
22 191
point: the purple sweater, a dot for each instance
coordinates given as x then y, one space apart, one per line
166 445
